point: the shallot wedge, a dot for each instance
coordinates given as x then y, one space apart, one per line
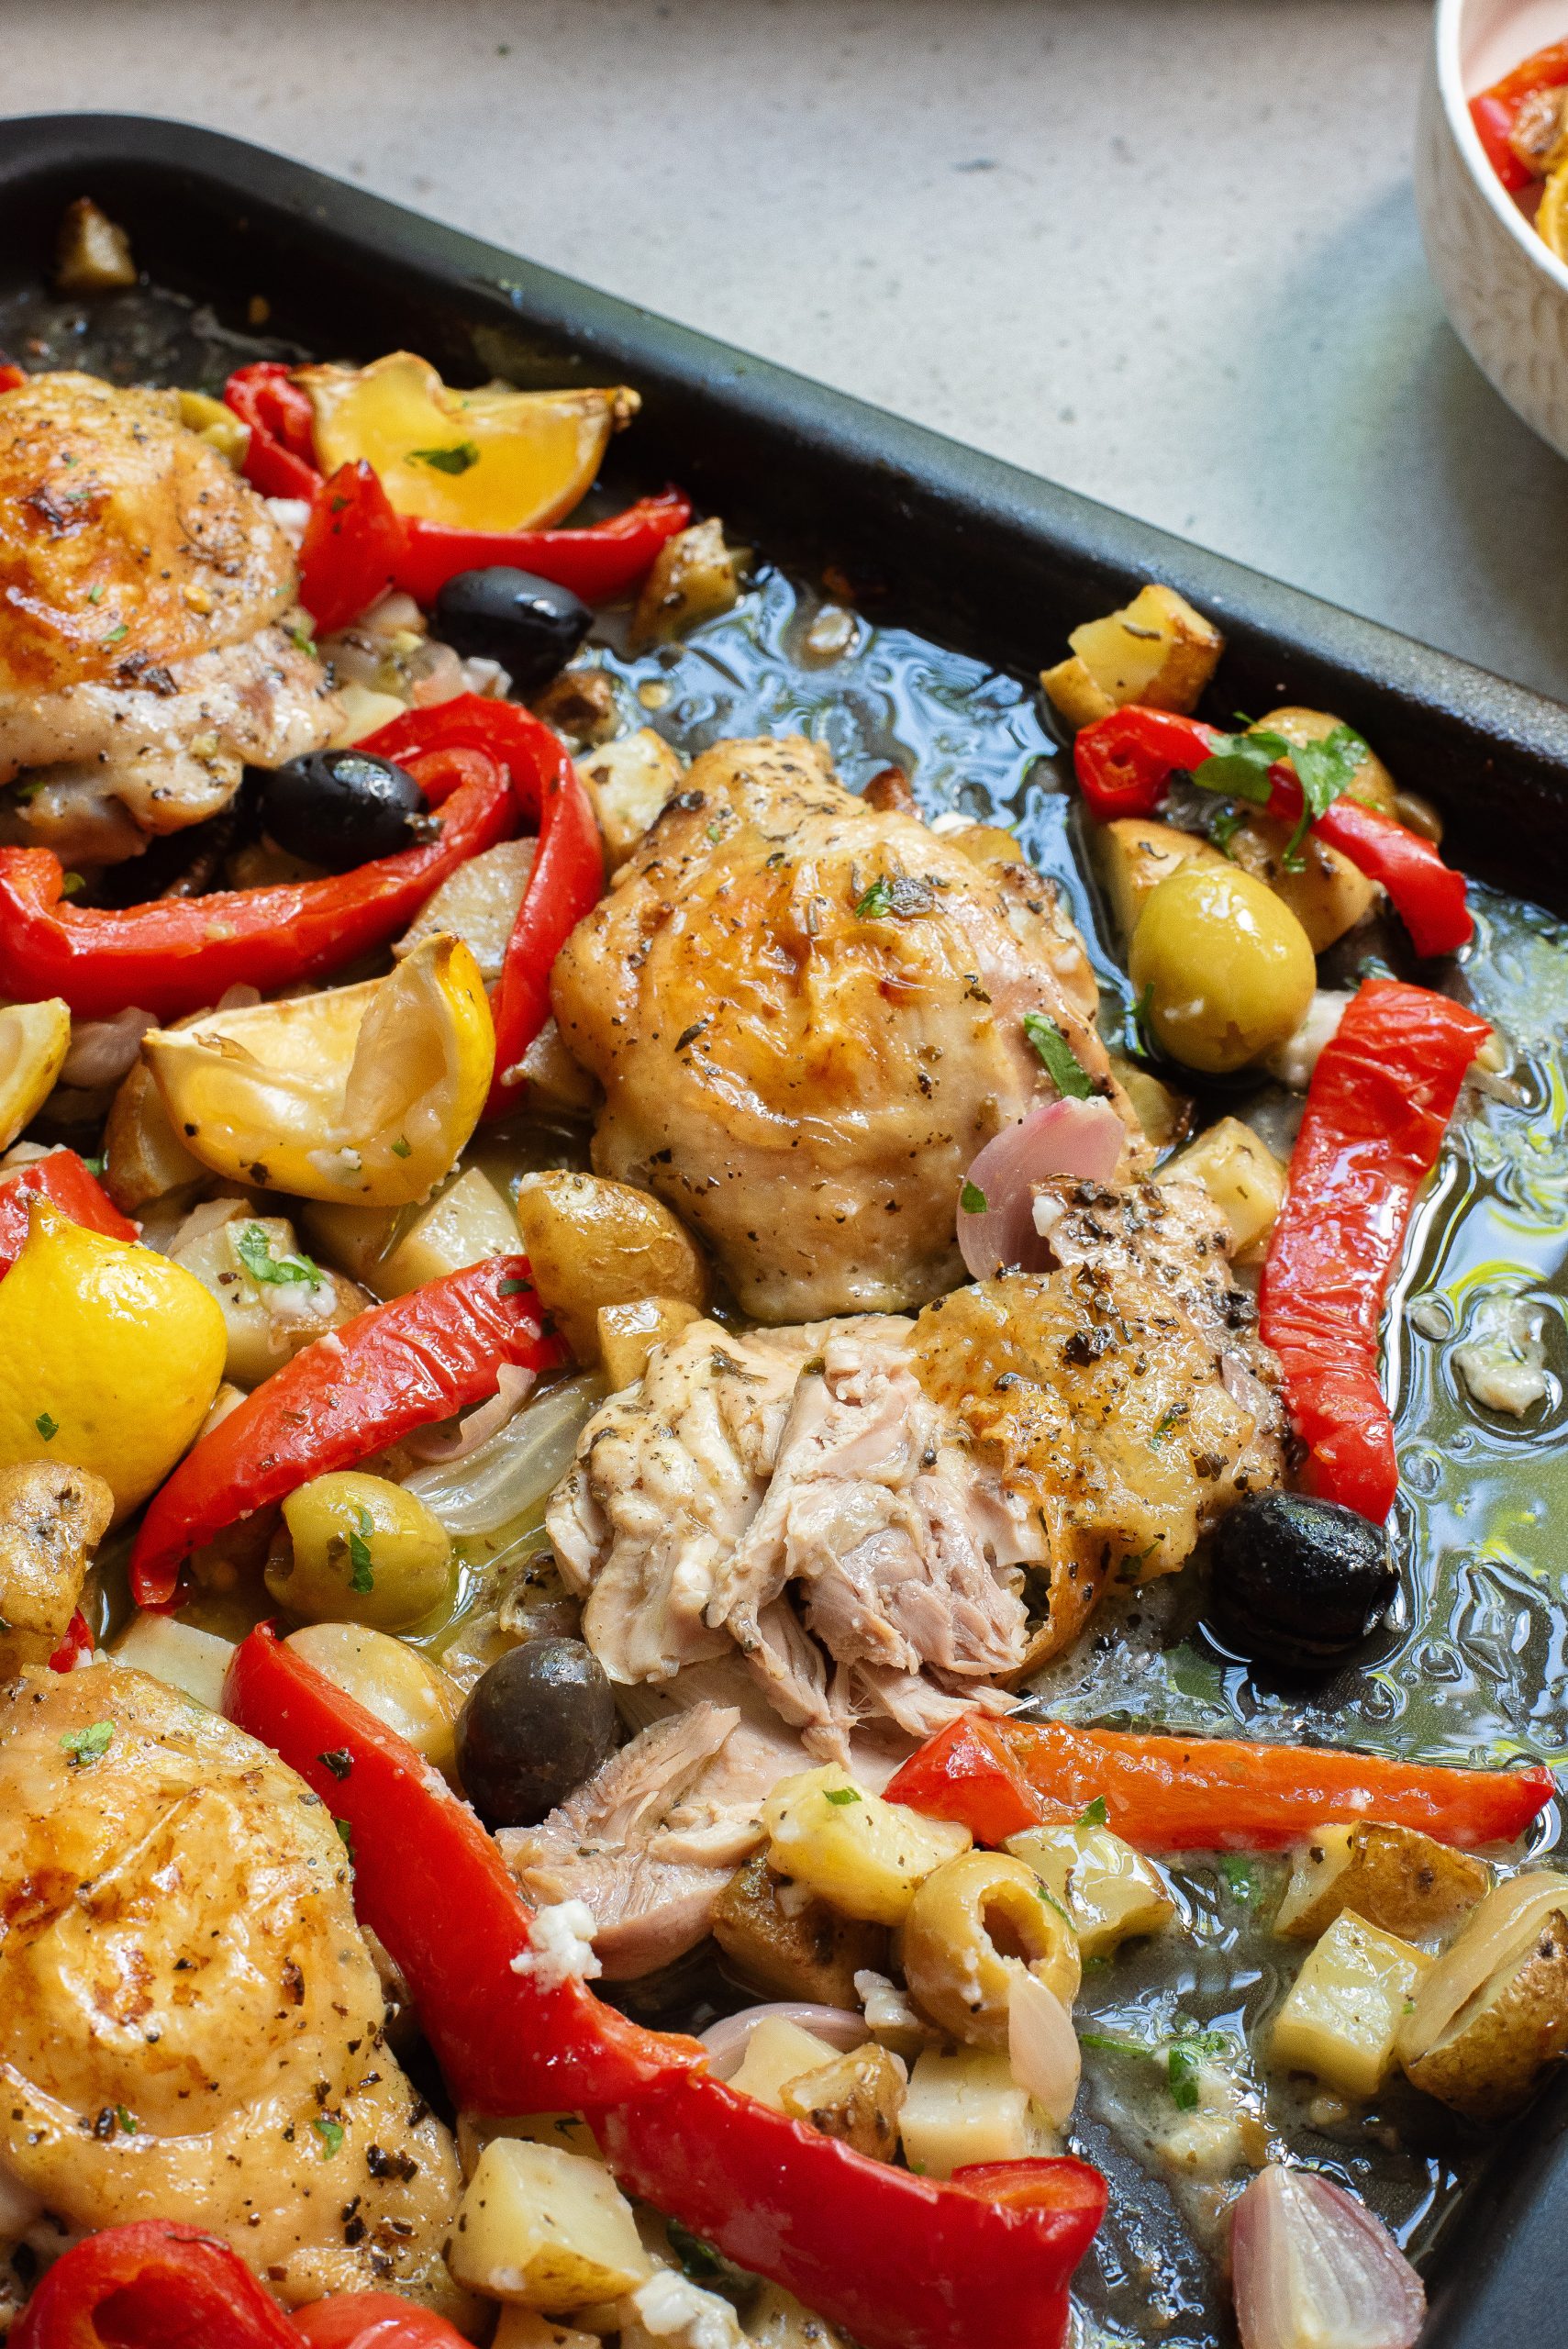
1043 2047
1313 2269
726 2041
997 1227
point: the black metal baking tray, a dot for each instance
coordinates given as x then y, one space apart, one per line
974 554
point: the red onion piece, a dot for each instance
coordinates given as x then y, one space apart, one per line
835 2026
1081 1137
480 1424
1313 2269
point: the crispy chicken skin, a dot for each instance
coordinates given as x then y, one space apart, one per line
141 586
890 1520
808 1016
188 2015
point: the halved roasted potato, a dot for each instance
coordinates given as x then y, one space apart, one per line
478 903
628 1333
1157 650
593 1242
364 1094
1134 855
1395 1877
1241 1176
546 2228
1493 2013
856 2097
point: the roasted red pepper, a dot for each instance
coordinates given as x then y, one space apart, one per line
351 547
900 2261
66 1183
1125 761
158 2285
280 459
11 377
597 560
77 1643
568 871
1216 1794
1496 110
1382 1094
180 954
392 1368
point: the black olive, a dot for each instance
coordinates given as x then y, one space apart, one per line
1297 1582
538 1723
529 625
340 808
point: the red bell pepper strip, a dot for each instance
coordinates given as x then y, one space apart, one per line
350 550
1381 1096
969 1772
280 459
1124 762
77 1642
155 2285
1212 1794
66 1183
12 378
373 2321
1496 110
568 872
426 1873
900 2261
391 1369
179 954
596 561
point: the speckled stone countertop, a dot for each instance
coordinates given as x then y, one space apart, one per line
1162 251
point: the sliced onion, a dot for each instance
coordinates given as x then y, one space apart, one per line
1313 2269
518 1469
103 1050
1081 1137
483 1421
727 2040
1043 2047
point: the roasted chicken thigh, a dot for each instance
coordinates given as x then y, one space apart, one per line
807 1015
142 661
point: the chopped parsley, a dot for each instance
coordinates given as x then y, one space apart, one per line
346 1831
361 1578
95 594
1223 827
126 2118
254 1251
840 1796
85 1746
402 1147
95 1166
446 461
1238 1875
513 1288
330 2133
1161 1428
117 635
972 1199
1183 2062
1061 1064
1144 1040
699 2261
340 1761
1051 1901
47 1426
1095 1814
301 637
1239 766
876 903
71 884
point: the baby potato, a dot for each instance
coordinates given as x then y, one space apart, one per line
393 1681
1373 785
591 1242
628 1333
1135 854
864 1855
1157 650
1492 2013
856 2097
963 2106
364 1552
144 1158
273 1301
694 577
1227 970
1395 1877
971 1926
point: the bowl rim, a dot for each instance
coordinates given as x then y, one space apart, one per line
1448 25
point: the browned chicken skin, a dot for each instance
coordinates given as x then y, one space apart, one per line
190 2022
807 1017
142 583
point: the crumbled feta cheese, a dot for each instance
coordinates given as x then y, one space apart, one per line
292 515
952 819
891 2017
668 2305
1502 1361
561 1947
1296 1058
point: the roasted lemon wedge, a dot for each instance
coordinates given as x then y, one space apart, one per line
492 460
364 1094
109 1356
34 1040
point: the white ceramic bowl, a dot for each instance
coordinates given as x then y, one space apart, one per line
1504 291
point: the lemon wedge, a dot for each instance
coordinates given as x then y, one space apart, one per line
492 460
1551 216
34 1040
363 1095
109 1356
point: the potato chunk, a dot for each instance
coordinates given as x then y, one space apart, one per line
1327 895
591 1242
857 2097
546 2228
1134 855
393 1250
778 2052
864 1855
1391 1876
1157 650
144 1157
963 2106
1109 1892
1241 1176
802 1952
628 781
478 903
694 577
1346 2005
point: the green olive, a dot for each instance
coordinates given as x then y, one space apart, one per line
363 1552
1228 969
393 1681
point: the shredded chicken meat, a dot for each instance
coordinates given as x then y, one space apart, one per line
891 1519
808 1015
145 657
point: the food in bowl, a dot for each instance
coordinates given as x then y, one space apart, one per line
550 1431
1522 123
